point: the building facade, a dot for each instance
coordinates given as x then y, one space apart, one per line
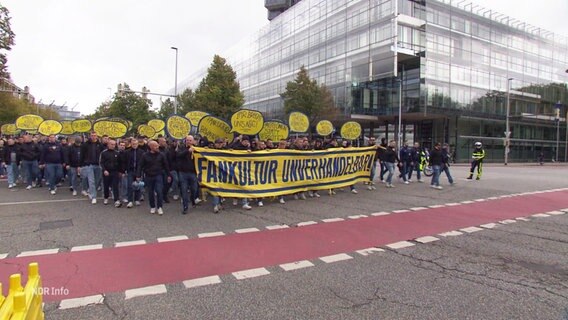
450 68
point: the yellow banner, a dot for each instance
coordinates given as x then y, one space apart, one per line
242 174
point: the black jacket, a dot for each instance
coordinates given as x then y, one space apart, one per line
152 164
436 158
52 153
29 151
111 161
390 155
90 153
8 150
73 156
185 161
129 164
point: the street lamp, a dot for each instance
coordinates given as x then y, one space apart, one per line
399 140
507 128
176 82
557 118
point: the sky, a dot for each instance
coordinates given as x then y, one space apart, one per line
73 51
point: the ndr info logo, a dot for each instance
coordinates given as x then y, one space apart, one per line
51 291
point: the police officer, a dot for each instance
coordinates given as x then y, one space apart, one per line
478 156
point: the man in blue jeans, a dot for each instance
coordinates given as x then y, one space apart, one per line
90 155
446 163
436 161
152 165
29 153
52 159
186 171
132 156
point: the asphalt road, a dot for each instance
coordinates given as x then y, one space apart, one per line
514 271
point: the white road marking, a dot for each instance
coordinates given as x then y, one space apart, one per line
129 243
296 265
492 198
251 273
146 291
565 210
400 211
489 225
450 234
555 213
174 238
480 200
41 201
200 282
467 202
358 216
508 221
306 223
247 230
418 208
3 255
88 247
540 215
382 213
453 204
426 239
368 251
400 245
471 229
81 302
278 226
211 234
336 258
333 220
37 252
436 206
523 219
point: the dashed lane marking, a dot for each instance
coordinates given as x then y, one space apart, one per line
306 223
426 239
468 202
471 229
333 220
507 221
211 234
436 206
400 245
400 211
146 291
87 247
296 265
382 213
480 200
369 251
450 234
358 216
251 273
278 226
540 215
418 208
523 219
174 238
247 230
3 255
200 282
336 258
453 204
37 252
129 243
488 225
81 302
555 213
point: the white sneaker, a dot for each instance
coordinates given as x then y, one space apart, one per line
406 182
117 204
105 202
84 193
216 209
52 191
94 201
409 180
296 197
303 196
235 202
28 187
282 201
130 205
420 180
316 194
246 206
137 203
260 204
370 187
152 210
383 181
160 211
354 191
310 194
74 193
198 201
175 197
439 187
124 200
10 186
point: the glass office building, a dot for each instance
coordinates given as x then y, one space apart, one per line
450 67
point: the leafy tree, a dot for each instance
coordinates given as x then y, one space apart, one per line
305 95
186 101
6 40
11 108
167 109
219 93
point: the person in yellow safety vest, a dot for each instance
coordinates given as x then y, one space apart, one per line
478 156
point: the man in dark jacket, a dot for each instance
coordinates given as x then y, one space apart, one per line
12 162
405 160
52 160
111 166
29 154
153 164
446 158
186 170
73 161
133 155
90 155
436 161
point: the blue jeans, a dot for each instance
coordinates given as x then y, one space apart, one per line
390 169
175 183
53 174
32 170
12 169
412 168
88 175
404 171
132 195
436 175
373 171
155 187
187 181
73 178
123 186
446 170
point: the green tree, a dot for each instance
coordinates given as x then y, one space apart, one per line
11 108
306 96
219 93
186 101
6 40
167 109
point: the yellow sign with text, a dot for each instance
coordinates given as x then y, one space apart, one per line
81 125
351 130
157 124
248 122
298 122
214 128
242 174
178 127
324 128
146 131
28 122
274 130
67 127
9 129
49 127
195 116
110 128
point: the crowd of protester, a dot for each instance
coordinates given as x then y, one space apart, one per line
129 170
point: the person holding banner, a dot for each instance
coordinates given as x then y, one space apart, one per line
187 174
29 154
52 158
153 164
242 143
